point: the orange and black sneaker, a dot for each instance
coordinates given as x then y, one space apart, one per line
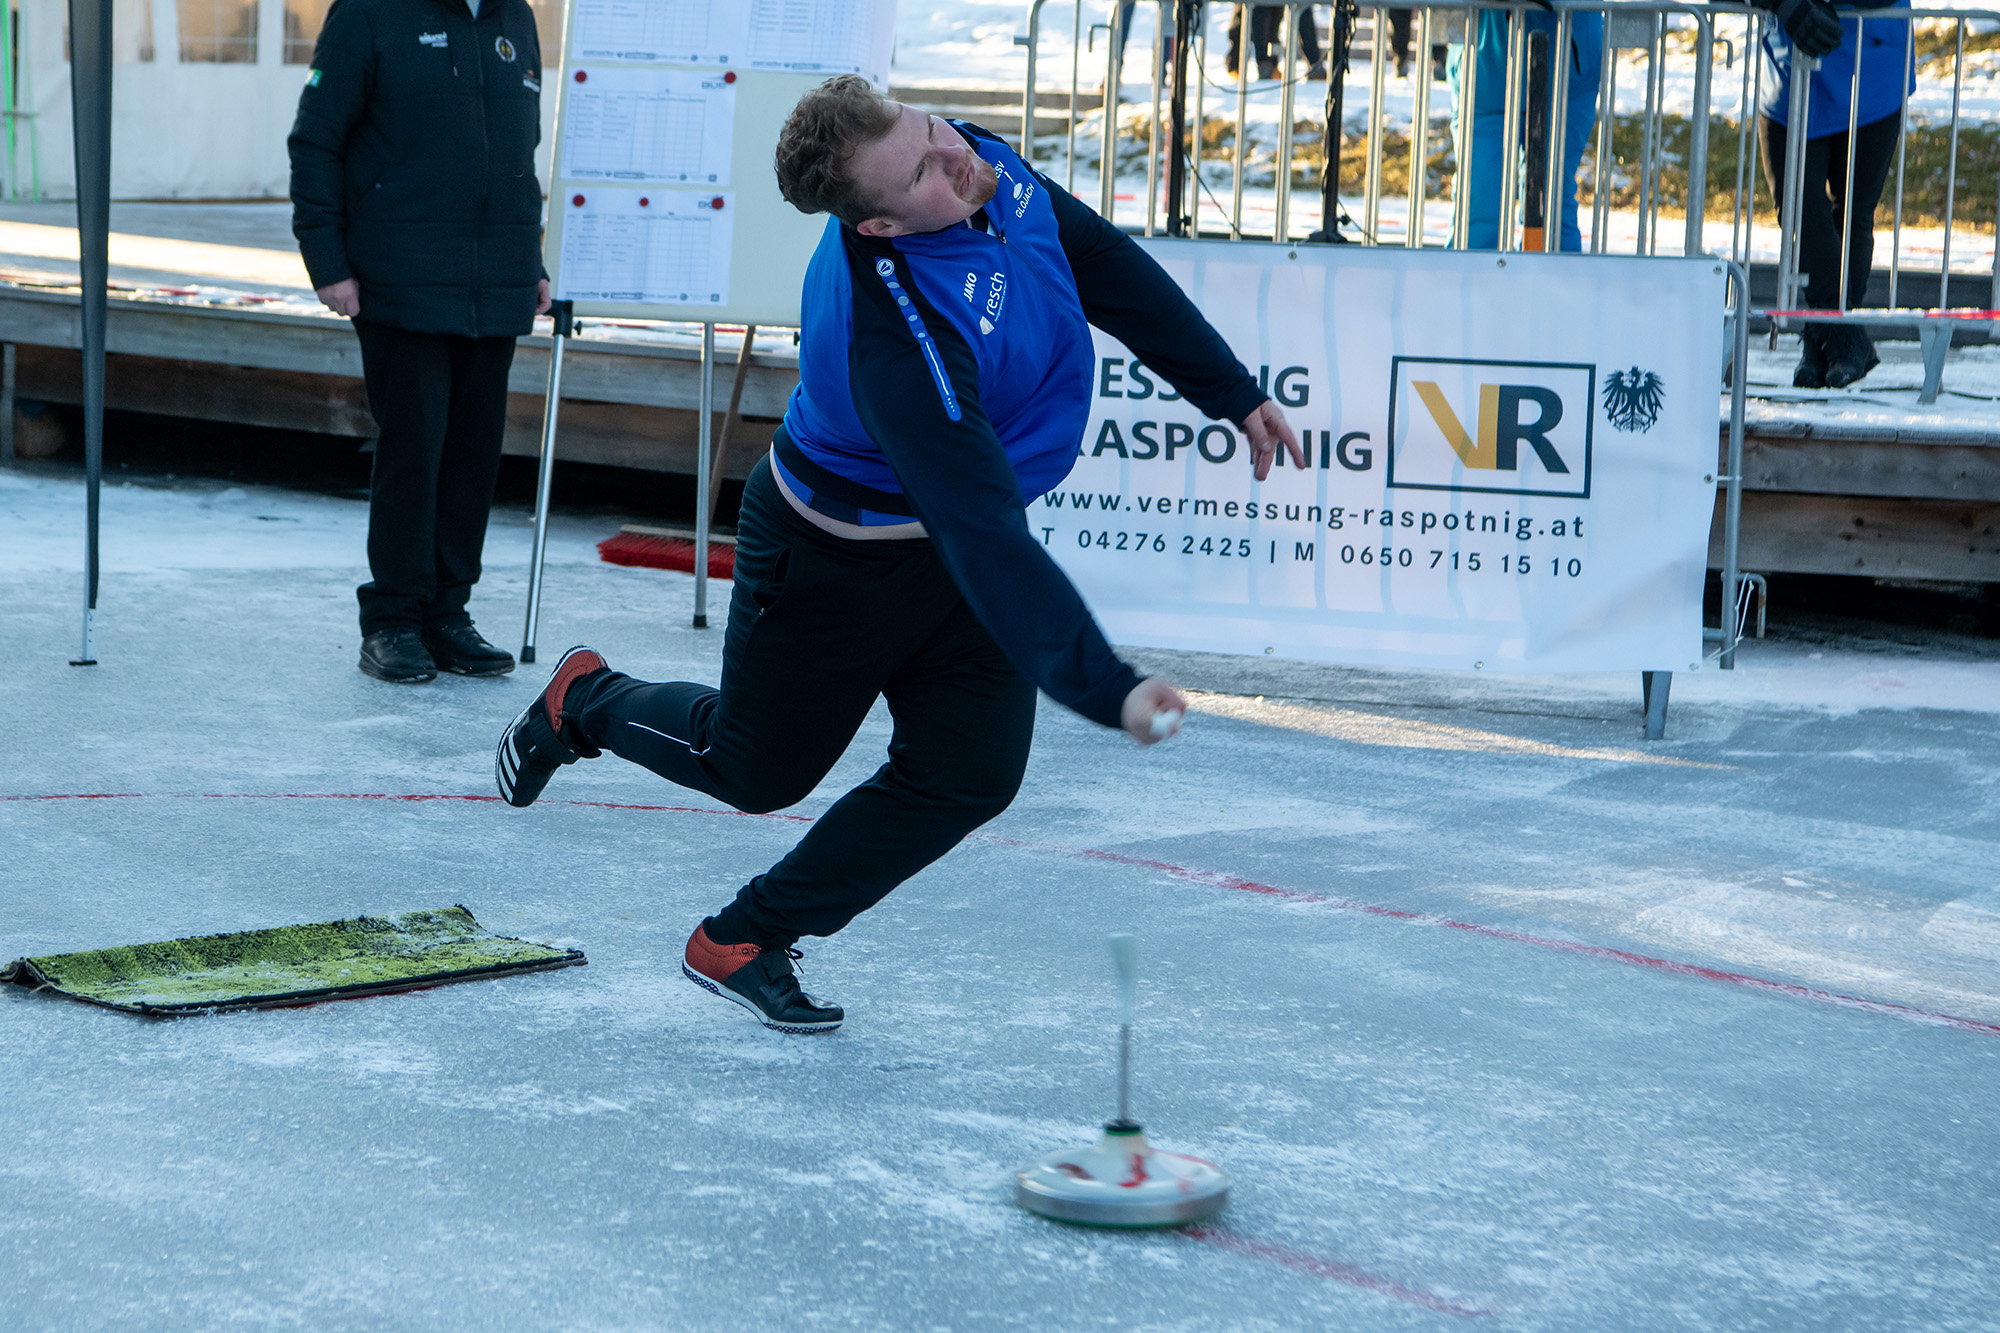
539 741
759 979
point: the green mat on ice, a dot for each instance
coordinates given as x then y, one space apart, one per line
288 965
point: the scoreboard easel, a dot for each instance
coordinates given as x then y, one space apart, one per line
662 200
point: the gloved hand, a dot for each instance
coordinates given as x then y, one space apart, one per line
1812 25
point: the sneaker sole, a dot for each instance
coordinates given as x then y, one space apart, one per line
797 1029
503 759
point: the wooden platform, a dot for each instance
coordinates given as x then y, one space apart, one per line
1919 504
625 403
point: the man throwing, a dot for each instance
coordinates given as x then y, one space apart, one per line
883 549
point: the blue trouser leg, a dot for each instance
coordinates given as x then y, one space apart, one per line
1482 159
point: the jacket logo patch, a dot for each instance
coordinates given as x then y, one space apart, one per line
996 296
529 83
971 286
436 39
312 78
505 49
1024 193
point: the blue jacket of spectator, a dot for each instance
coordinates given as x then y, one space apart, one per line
1886 76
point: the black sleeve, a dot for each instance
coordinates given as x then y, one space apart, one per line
950 464
1131 298
330 106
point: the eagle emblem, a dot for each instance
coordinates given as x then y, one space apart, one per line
1633 398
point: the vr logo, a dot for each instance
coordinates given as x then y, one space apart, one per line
1530 426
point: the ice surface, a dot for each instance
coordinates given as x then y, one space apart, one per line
1424 1122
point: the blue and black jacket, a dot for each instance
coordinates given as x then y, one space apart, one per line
1886 76
946 376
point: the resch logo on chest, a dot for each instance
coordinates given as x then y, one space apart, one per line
996 297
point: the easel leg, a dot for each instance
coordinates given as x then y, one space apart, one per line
1653 687
703 466
729 419
564 326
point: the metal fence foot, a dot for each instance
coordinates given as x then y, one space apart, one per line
1935 339
1653 687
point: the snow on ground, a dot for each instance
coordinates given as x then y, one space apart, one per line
1886 400
1416 956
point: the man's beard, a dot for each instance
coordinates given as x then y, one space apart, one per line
980 183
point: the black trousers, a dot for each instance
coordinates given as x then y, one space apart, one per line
819 628
1267 31
441 403
1399 33
1822 217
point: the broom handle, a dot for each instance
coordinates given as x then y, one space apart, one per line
729 419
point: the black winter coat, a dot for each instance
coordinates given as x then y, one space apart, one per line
413 163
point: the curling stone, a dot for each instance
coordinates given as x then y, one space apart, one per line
1121 1180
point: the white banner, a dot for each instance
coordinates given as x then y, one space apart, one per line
1512 464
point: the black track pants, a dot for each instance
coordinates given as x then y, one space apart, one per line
441 403
1822 217
819 627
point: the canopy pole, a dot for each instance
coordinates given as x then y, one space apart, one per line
90 112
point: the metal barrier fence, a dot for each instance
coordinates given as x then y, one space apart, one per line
1639 33
1636 33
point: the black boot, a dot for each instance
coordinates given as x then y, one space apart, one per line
398 656
1850 354
463 651
1811 371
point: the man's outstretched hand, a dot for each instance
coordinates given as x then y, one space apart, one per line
1151 698
1266 427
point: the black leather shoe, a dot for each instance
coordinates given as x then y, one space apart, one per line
463 651
397 656
1850 354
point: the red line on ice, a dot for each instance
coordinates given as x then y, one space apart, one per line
1328 1268
1209 878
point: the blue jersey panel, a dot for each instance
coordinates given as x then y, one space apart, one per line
1007 292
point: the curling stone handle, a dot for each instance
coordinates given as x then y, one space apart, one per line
1125 957
1125 1074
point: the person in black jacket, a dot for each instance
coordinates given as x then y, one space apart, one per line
419 214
